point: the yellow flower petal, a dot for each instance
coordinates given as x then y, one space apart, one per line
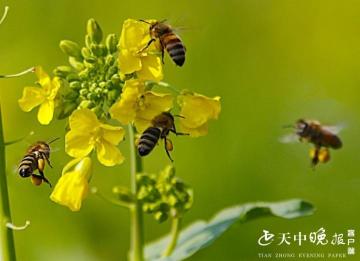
128 63
83 120
134 57
72 187
46 112
112 134
108 154
78 144
43 77
197 110
134 35
54 88
151 105
32 97
151 68
125 109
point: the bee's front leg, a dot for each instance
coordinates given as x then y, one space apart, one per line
44 179
147 45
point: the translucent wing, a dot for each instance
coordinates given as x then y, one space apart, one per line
289 138
334 129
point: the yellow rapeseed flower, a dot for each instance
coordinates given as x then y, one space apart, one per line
73 186
139 106
133 58
197 110
87 132
43 96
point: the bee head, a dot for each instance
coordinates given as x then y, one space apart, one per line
301 126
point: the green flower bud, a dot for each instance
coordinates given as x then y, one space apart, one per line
93 29
86 104
75 85
72 77
88 41
62 71
109 60
123 194
98 90
113 95
160 216
84 74
71 49
95 50
103 50
76 64
66 109
115 79
102 85
111 43
86 53
84 92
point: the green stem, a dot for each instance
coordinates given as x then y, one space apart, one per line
175 231
136 214
7 248
30 70
2 19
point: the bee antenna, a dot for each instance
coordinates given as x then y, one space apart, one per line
53 140
288 126
180 116
146 22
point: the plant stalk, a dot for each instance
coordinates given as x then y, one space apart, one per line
175 231
30 70
7 247
136 214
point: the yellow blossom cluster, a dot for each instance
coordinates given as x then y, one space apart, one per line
138 105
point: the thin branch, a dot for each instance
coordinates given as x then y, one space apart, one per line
30 70
4 15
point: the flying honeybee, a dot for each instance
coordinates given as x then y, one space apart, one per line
168 40
322 137
34 159
162 125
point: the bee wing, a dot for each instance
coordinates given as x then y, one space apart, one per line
334 129
289 138
56 149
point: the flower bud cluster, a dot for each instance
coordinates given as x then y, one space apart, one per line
164 195
92 78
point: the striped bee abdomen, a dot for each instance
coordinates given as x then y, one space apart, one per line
174 47
148 140
28 165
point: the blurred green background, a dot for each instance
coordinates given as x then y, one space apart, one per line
270 61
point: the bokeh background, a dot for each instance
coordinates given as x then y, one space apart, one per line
271 61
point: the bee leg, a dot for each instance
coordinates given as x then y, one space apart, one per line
44 179
167 152
147 45
48 162
179 133
162 55
43 156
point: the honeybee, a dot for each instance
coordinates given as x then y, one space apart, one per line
168 40
162 125
34 159
322 137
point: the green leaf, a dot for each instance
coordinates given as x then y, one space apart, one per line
201 234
